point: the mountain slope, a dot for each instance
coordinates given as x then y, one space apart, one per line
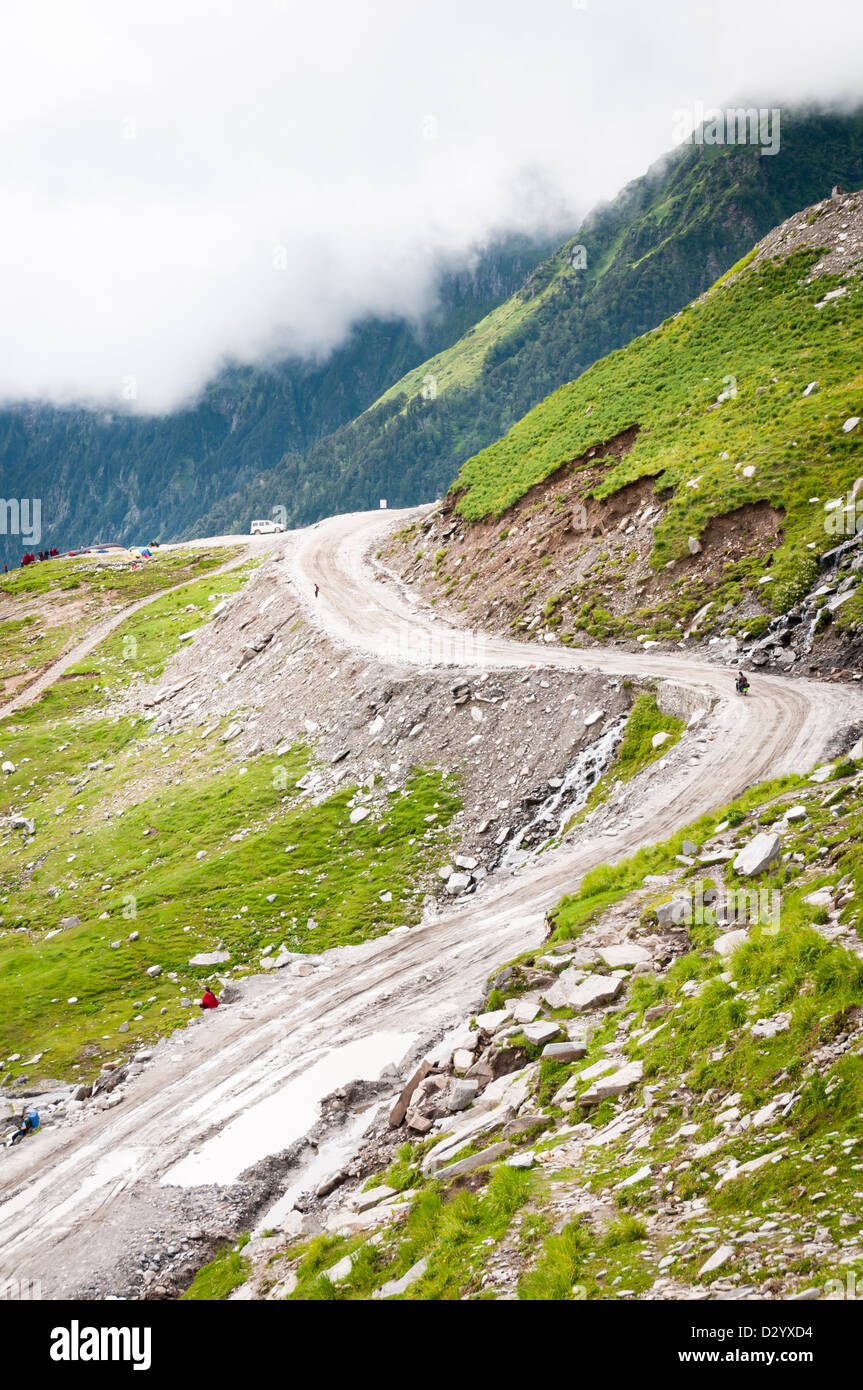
662 242
104 475
317 438
707 463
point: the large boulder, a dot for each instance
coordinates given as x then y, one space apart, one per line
624 954
674 912
364 1201
541 1032
211 958
472 1162
576 991
106 1081
494 1019
428 1103
760 854
457 883
400 1108
822 897
613 1085
393 1287
525 1010
571 1051
461 1094
729 941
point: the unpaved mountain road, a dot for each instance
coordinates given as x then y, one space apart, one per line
253 546
238 1085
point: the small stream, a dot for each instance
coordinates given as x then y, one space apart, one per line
567 799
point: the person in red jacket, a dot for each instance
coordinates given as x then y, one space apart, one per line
209 1000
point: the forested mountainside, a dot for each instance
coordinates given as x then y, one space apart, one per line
666 238
113 475
702 482
395 411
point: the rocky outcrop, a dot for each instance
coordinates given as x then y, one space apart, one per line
760 854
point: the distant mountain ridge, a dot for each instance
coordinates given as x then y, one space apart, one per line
397 410
133 478
663 241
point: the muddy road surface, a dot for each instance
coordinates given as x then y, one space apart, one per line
80 1202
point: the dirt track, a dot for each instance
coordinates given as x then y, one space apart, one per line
31 691
81 1200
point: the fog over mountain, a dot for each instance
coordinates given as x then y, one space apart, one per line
187 183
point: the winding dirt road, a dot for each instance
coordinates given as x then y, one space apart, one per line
242 1084
31 691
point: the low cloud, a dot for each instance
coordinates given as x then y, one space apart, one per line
186 183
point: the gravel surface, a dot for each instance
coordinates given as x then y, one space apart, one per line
86 1211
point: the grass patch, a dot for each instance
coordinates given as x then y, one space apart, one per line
764 323
451 1231
220 1277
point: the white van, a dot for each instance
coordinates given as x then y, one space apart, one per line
261 528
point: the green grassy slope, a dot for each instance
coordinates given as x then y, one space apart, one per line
167 837
663 241
46 608
790 1221
762 329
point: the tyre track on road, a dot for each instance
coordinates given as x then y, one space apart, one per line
215 1071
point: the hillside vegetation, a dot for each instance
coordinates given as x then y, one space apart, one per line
46 608
112 474
662 242
699 463
397 409
125 850
703 1136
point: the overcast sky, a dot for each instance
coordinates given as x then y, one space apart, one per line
182 181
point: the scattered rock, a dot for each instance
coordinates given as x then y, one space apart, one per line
628 953
769 1027
400 1108
490 1022
613 1085
474 1161
393 1287
716 1260
822 897
364 1201
329 1183
461 1094
542 1032
761 852
572 989
457 883
571 1051
729 941
208 958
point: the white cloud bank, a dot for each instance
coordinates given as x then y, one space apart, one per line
182 182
